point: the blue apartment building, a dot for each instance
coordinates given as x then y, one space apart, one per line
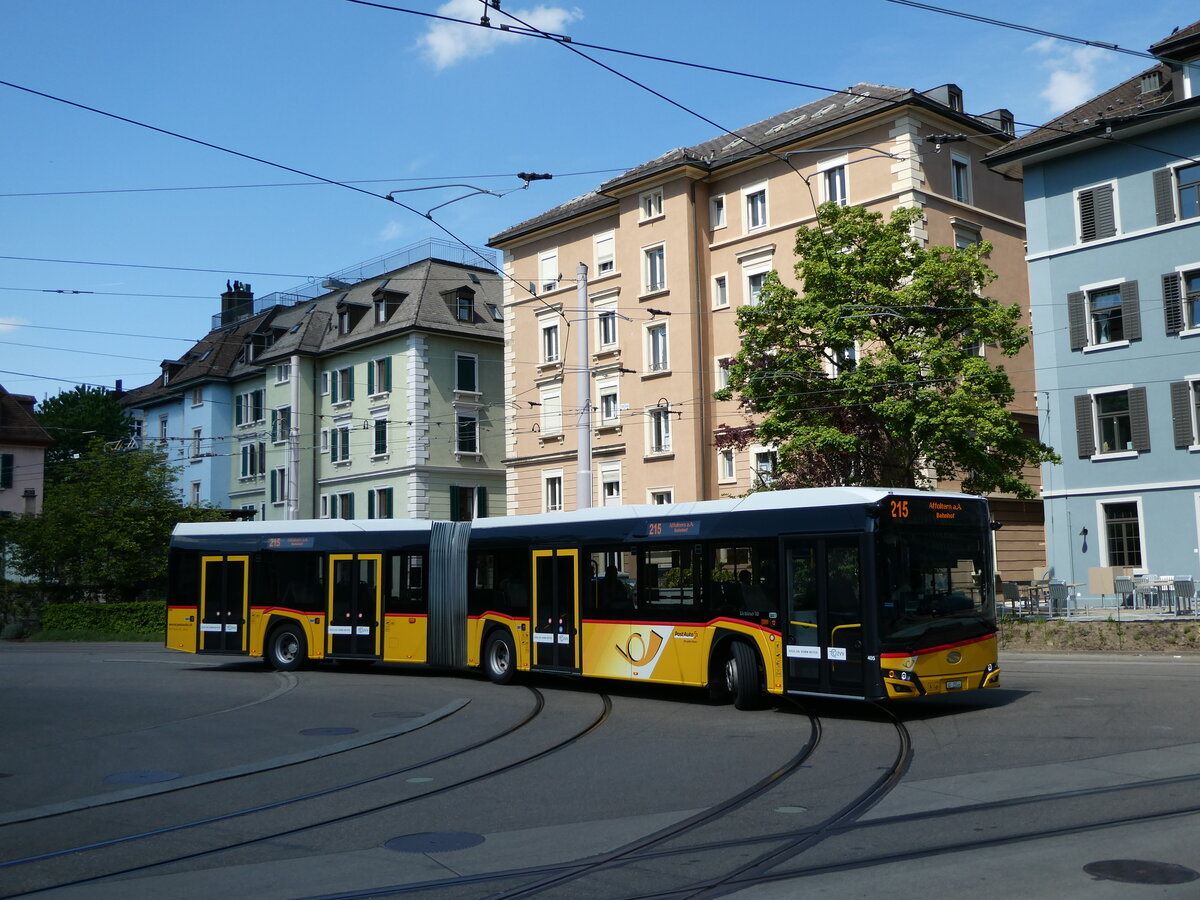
1112 206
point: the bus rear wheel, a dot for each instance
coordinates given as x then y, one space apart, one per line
286 648
500 658
741 676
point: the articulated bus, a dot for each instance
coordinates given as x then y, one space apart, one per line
849 592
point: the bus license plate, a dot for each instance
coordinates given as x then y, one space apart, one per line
954 685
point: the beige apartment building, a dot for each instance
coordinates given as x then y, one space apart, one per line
672 249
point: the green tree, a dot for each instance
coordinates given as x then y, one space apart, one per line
77 417
918 397
105 525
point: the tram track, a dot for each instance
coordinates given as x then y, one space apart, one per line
535 712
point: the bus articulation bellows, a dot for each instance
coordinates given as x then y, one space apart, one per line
850 592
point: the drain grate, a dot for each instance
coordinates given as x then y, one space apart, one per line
146 776
323 732
1140 871
434 842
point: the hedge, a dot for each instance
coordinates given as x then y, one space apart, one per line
146 617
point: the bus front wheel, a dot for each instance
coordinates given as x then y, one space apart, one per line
741 676
286 647
500 658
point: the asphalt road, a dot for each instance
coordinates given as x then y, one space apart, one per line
127 770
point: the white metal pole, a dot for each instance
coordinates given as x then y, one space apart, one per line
583 394
293 444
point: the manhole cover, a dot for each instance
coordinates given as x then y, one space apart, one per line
434 842
149 776
328 731
1140 871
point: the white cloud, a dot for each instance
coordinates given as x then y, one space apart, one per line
447 43
1073 73
391 232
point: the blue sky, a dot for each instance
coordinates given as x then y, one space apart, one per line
356 93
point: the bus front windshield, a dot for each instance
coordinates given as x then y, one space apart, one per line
937 587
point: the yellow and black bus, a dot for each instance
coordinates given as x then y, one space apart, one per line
847 592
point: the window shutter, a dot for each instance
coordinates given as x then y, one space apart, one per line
1131 311
1138 420
1172 303
1097 218
1164 201
481 502
333 386
1077 319
1085 433
262 459
274 487
6 470
349 386
387 503
370 504
349 506
455 515
237 411
274 425
370 378
258 406
1181 413
387 373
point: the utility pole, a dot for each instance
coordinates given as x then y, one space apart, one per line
583 394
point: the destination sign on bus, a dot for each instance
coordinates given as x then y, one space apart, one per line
673 528
915 508
288 543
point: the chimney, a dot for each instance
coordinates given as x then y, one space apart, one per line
237 302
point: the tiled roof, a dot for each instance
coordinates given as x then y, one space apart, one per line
17 423
811 119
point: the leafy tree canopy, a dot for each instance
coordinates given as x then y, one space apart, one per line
105 524
918 397
77 417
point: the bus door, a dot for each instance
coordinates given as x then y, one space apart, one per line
824 634
224 603
355 596
556 610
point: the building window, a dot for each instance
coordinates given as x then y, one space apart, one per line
1123 534
610 484
551 419
651 204
345 323
379 503
661 497
722 379
1185 412
658 358
196 443
834 181
960 178
754 286
379 375
1104 315
251 458
1112 421
195 493
466 434
725 469
606 326
162 429
765 462
248 408
464 306
341 506
1181 301
7 467
466 373
548 271
496 312
720 291
606 260
1189 191
552 492
844 359
550 343
1097 213
380 427
279 485
654 269
756 208
281 424
716 212
341 385
198 396
339 444
283 373
610 404
660 430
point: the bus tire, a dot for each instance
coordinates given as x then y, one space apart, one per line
741 676
287 648
500 657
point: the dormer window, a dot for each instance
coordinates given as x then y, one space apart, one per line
386 302
349 315
1151 81
462 304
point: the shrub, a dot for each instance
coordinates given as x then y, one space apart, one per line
12 631
146 617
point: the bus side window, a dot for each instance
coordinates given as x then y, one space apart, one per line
295 580
743 579
666 577
405 585
611 589
513 573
